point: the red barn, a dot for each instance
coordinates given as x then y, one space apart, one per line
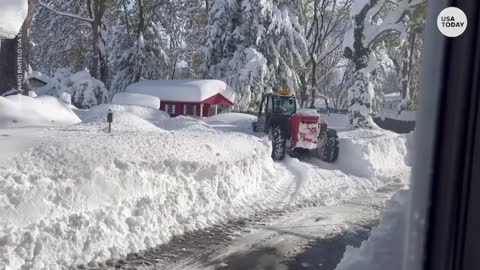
200 98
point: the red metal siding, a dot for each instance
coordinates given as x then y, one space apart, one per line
217 99
207 104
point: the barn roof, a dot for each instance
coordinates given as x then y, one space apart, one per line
183 90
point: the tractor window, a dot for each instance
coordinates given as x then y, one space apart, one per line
269 105
284 106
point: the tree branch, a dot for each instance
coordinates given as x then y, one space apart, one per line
67 14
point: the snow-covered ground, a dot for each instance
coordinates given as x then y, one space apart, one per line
79 194
23 111
384 247
403 116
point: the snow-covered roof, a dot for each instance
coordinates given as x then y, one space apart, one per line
393 97
39 76
12 15
183 90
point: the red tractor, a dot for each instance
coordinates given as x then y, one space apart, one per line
295 131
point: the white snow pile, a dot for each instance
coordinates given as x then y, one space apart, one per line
136 99
72 200
373 153
23 111
336 121
83 195
183 123
99 113
384 248
240 120
403 115
12 15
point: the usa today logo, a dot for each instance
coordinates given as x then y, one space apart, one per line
452 22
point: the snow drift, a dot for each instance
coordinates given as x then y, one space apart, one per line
99 113
373 153
384 247
75 200
137 100
23 111
241 121
69 201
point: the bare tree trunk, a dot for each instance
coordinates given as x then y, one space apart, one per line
360 97
95 30
405 94
141 26
303 91
8 65
26 45
413 36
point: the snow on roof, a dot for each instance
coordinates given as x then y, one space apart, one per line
12 15
39 76
393 97
183 90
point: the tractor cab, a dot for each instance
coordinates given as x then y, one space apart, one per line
275 108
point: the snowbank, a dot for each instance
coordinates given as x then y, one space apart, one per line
12 15
384 248
183 123
99 113
69 200
373 153
336 121
72 200
403 116
136 99
22 111
240 120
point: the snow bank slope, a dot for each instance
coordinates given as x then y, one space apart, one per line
75 200
373 153
384 248
99 112
88 195
22 111
240 120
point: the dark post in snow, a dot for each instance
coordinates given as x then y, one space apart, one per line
110 120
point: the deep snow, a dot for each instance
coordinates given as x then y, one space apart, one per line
137 100
82 194
384 247
23 111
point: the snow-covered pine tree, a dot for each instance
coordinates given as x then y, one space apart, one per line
367 28
255 46
59 40
136 43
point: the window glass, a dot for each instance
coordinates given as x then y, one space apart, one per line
191 109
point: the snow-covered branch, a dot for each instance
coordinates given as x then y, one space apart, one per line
67 14
392 22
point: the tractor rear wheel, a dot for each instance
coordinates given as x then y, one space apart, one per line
278 142
332 148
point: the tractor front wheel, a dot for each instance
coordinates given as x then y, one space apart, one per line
277 136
